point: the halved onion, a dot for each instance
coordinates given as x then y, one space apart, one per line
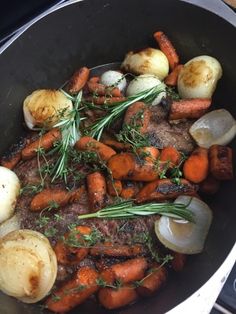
142 83
9 225
198 77
45 107
182 236
147 61
9 190
28 265
215 127
114 78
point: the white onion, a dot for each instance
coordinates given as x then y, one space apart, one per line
9 225
9 190
142 83
182 236
215 127
28 265
147 61
44 108
114 78
198 77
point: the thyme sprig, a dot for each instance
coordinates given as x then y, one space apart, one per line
69 126
116 109
127 209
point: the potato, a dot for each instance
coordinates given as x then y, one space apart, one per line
147 61
145 82
9 190
45 107
198 77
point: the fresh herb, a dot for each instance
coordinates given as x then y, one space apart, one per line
69 126
78 240
31 189
172 93
58 217
176 174
43 221
55 297
115 110
127 209
50 232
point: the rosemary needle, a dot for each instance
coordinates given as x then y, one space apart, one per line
116 109
127 209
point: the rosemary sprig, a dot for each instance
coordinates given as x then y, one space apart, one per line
127 209
69 126
115 110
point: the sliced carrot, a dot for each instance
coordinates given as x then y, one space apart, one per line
45 142
11 161
115 298
58 197
178 262
116 145
189 108
167 48
96 190
149 153
78 80
131 270
102 90
153 281
210 185
139 114
196 167
69 255
117 250
74 292
165 189
94 79
129 190
104 100
114 187
172 78
221 162
129 167
87 143
171 155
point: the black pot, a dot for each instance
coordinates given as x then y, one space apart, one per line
95 32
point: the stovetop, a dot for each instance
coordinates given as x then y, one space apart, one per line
13 15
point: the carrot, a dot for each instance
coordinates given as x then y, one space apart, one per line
196 167
74 292
167 48
116 145
189 108
221 162
96 190
172 78
210 185
104 100
69 255
94 79
139 114
131 270
171 155
127 166
178 261
102 90
11 161
129 189
114 187
59 197
115 298
116 250
108 276
78 80
45 142
153 281
149 153
165 189
87 143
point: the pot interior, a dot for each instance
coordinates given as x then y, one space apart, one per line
96 32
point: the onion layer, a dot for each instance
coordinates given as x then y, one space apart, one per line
215 127
182 236
9 225
28 265
114 78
